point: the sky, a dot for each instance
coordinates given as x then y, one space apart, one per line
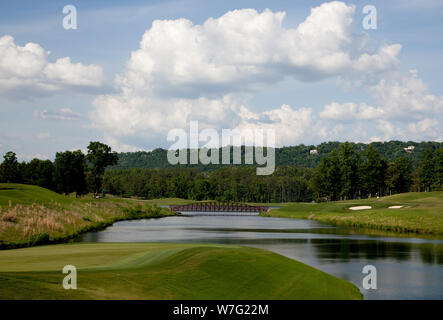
133 71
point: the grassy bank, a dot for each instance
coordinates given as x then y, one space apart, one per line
31 215
421 213
164 271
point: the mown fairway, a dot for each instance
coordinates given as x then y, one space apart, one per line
421 213
164 271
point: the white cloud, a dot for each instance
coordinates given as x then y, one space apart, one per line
398 97
289 124
349 112
421 130
406 96
401 99
245 47
184 72
389 131
65 72
62 114
383 60
426 129
28 67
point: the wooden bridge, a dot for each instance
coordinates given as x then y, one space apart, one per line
218 208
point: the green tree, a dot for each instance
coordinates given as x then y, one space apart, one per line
200 191
29 171
45 174
9 169
372 174
39 172
427 170
99 157
349 166
398 176
69 172
439 168
329 177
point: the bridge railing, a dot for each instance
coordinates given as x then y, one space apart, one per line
218 207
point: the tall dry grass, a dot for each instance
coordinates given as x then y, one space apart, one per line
42 223
28 221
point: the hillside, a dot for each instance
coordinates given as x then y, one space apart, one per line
164 271
293 156
31 215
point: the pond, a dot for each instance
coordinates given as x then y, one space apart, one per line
407 268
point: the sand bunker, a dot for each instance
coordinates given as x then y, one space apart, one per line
360 208
395 207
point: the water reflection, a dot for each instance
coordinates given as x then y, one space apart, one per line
344 249
408 268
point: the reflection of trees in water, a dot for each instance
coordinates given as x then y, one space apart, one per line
431 253
346 249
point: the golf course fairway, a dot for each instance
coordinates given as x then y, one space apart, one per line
413 212
163 271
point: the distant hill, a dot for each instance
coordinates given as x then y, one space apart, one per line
299 156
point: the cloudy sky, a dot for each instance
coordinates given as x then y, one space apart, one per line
131 72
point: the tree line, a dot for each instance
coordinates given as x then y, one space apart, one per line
346 172
298 156
226 184
71 171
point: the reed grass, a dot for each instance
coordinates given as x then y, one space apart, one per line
40 222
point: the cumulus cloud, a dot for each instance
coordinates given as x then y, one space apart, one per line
384 59
28 67
400 98
349 112
406 95
426 129
288 124
76 74
62 114
389 131
245 47
184 72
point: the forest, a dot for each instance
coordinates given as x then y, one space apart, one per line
343 174
299 156
347 171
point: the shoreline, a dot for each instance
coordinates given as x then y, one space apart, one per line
165 271
419 214
32 216
41 241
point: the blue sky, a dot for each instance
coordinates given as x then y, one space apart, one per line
47 111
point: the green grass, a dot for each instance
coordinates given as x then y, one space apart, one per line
169 201
30 215
164 271
422 213
26 194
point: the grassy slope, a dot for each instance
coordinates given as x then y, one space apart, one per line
169 201
164 271
26 194
32 215
422 213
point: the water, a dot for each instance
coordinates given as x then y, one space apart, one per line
407 268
